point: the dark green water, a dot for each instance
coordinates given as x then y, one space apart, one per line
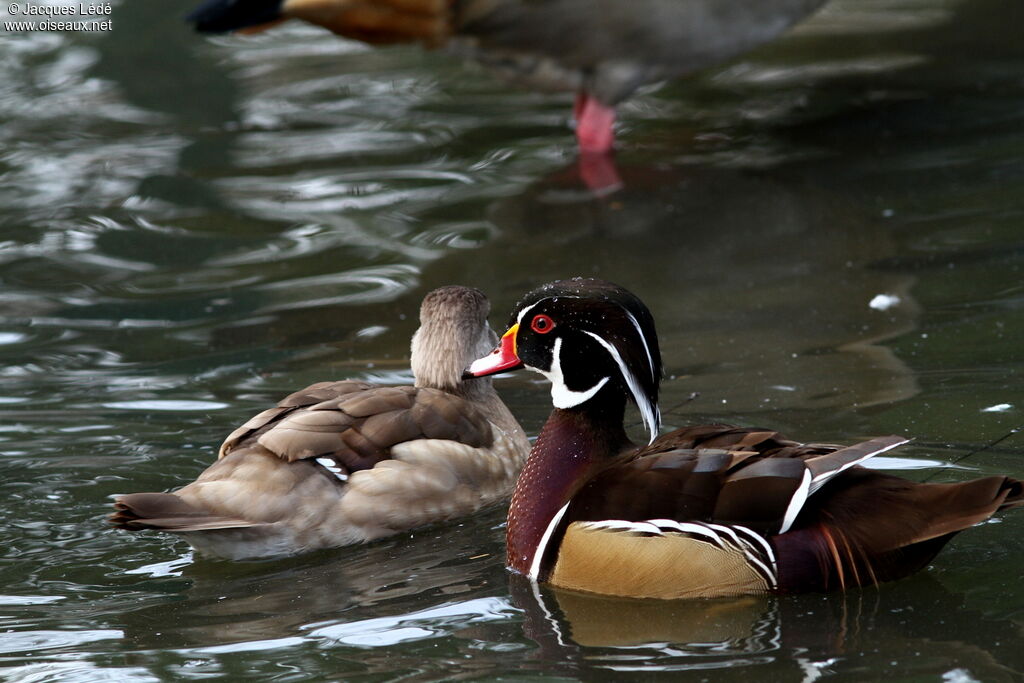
192 228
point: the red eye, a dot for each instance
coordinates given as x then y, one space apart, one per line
542 324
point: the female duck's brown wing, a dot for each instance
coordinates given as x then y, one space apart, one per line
353 425
311 443
756 514
310 396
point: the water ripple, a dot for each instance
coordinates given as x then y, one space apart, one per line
428 623
181 246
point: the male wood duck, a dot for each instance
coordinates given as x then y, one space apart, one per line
703 511
345 462
601 49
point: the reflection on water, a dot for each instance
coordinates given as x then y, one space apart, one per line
190 231
801 638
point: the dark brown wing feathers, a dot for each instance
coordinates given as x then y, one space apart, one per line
857 526
821 465
866 527
758 496
696 473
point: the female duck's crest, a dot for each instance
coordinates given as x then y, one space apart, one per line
583 334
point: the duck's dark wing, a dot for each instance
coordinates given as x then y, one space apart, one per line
729 510
711 473
864 527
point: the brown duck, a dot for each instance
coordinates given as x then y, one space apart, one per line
601 49
345 462
702 511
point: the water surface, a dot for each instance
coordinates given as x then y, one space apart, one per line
191 228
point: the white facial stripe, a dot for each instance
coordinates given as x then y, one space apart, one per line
643 340
632 319
522 313
650 413
561 395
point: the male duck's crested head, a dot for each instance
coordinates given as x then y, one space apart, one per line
583 335
453 331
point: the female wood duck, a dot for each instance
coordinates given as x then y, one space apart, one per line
602 49
345 462
702 511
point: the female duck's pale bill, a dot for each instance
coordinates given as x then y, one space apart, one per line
345 462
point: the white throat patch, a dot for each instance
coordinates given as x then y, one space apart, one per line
561 395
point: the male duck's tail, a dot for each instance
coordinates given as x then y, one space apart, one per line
875 527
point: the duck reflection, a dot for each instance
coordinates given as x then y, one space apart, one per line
377 602
806 636
562 618
238 602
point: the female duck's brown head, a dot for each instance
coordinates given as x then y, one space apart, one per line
589 337
453 331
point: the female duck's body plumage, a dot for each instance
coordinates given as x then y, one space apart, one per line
702 511
345 462
602 49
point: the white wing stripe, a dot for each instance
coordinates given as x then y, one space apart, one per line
331 466
796 503
823 478
728 531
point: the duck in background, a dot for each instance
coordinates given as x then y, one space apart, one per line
603 50
704 511
345 462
